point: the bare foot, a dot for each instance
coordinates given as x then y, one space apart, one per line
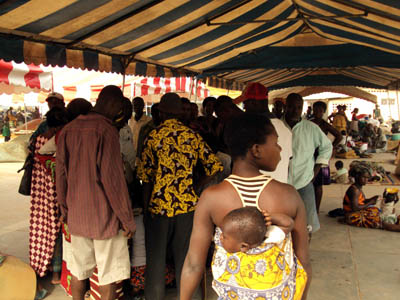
56 279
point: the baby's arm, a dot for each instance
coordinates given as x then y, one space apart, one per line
283 221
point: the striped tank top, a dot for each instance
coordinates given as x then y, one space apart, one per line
269 271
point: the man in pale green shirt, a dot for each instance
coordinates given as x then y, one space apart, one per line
306 138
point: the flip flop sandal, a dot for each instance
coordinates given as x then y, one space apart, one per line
41 294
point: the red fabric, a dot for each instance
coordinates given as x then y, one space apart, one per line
32 77
5 69
44 216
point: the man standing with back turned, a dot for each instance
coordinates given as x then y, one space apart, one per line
170 153
93 196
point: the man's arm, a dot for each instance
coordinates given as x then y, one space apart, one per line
200 240
209 160
324 146
61 176
113 179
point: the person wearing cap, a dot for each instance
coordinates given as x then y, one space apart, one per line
303 167
169 156
53 100
255 100
93 196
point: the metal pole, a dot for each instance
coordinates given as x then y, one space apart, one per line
397 99
195 90
123 82
388 99
26 123
191 88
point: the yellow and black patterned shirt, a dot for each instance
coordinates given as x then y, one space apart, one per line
169 155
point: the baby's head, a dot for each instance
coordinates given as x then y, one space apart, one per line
391 195
339 165
242 229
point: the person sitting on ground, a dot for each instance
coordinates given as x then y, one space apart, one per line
359 210
252 143
341 175
368 135
388 214
245 228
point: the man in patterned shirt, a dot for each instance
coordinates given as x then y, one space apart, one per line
170 153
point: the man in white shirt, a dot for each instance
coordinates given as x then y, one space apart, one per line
255 97
307 137
137 121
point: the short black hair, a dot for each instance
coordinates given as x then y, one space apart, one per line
78 106
127 107
57 116
320 104
246 130
138 99
358 170
293 97
221 101
207 100
185 100
339 164
250 225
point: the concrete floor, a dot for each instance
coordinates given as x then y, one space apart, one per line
348 263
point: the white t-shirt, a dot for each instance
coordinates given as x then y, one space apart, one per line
285 141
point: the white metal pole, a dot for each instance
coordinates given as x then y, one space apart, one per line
191 88
397 99
195 90
388 99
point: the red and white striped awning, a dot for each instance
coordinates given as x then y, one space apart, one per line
141 86
159 85
21 78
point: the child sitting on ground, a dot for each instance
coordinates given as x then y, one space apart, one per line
247 227
341 175
390 198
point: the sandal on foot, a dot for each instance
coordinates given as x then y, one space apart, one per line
41 294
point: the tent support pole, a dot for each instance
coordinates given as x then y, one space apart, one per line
397 99
388 99
191 88
26 122
195 90
123 82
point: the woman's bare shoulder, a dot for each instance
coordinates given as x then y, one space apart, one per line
280 197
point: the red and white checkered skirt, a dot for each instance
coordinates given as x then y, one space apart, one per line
44 216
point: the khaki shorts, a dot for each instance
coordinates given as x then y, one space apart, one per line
111 256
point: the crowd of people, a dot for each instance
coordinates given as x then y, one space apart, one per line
142 199
11 118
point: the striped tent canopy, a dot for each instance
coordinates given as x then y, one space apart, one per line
307 90
278 42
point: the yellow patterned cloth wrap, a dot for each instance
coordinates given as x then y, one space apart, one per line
170 153
270 271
